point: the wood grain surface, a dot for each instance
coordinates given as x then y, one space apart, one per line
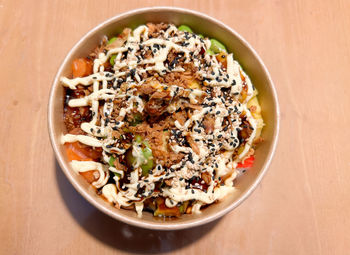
301 207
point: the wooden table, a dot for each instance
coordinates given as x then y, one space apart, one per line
301 207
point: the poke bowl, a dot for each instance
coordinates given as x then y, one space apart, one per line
163 118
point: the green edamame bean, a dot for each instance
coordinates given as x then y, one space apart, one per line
112 40
210 52
217 46
147 156
185 28
111 161
112 60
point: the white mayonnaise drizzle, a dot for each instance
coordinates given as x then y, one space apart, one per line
84 166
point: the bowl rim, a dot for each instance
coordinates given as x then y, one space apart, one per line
137 221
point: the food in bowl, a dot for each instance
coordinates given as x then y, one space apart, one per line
160 119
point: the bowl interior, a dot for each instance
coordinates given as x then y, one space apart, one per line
200 24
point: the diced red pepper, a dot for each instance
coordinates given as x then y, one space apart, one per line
246 163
